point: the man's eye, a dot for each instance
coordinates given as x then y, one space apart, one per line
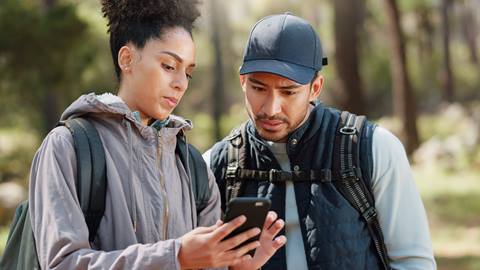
168 67
257 88
289 93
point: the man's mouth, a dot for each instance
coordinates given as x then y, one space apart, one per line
270 125
171 101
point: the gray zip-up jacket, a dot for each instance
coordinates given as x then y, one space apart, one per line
149 204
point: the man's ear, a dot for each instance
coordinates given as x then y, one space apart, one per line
316 87
243 80
125 58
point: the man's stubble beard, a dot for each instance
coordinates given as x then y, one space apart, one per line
289 129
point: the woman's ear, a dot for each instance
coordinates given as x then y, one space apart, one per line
125 59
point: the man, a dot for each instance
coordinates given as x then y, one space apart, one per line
289 132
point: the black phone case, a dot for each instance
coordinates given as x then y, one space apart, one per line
253 208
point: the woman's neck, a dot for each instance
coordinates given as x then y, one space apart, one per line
130 101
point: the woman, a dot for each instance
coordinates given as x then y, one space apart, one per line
148 221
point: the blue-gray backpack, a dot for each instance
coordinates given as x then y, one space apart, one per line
20 252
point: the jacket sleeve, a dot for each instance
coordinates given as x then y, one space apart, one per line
61 235
401 212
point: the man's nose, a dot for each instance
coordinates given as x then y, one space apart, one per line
272 106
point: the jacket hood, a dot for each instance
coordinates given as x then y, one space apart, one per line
109 104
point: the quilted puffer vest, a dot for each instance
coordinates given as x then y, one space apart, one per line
334 233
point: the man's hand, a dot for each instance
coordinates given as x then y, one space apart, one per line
203 247
268 245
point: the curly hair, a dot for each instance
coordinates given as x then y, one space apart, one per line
137 21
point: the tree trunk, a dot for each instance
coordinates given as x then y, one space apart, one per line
425 32
470 31
48 4
403 100
50 98
447 77
347 24
218 68
51 113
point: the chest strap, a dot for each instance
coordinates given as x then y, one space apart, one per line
277 176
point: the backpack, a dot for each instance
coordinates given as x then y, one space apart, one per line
20 252
345 174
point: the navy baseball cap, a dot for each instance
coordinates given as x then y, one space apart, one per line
285 45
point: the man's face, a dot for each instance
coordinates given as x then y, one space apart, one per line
276 104
159 74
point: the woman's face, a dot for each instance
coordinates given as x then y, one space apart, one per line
155 77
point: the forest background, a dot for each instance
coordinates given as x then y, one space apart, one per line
412 66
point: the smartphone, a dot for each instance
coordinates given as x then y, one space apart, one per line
255 209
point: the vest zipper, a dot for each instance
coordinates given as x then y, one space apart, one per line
163 190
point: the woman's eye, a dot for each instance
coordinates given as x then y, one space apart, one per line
189 77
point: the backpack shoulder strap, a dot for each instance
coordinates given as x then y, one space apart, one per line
91 171
349 180
235 162
196 169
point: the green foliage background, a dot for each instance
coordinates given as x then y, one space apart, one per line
50 57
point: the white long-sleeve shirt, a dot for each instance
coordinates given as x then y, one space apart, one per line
400 209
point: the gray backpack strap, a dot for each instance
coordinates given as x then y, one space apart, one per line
91 172
196 168
349 180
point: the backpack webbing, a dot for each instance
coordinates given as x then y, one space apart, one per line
236 162
350 182
345 174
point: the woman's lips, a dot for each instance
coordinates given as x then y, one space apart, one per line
171 101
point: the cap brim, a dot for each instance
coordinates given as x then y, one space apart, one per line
300 74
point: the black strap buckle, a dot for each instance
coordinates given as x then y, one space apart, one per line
369 214
231 172
273 175
348 130
350 174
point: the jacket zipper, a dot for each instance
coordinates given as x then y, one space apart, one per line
164 191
